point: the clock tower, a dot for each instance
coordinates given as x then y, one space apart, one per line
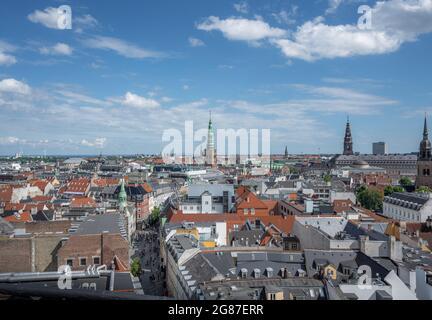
424 161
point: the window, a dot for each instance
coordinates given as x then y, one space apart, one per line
245 211
253 211
272 296
69 262
83 261
96 260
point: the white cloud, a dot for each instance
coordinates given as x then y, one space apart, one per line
97 143
14 86
193 105
394 22
225 66
6 58
57 49
84 22
10 140
48 17
286 17
73 116
316 40
333 6
241 29
121 47
195 42
406 19
167 99
74 97
241 7
186 87
136 101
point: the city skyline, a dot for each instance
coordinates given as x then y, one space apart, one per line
112 85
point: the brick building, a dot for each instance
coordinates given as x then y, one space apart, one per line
100 239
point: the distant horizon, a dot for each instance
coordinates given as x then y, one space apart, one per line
158 155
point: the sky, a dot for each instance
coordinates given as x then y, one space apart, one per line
128 70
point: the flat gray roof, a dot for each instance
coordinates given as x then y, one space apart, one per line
97 224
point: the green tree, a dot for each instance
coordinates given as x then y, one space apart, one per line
361 189
327 178
398 189
370 199
405 182
155 215
294 170
424 189
389 190
136 267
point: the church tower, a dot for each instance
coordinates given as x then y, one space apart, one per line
424 161
122 197
210 152
348 143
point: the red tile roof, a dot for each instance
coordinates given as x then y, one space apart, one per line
147 188
83 202
77 186
19 217
42 198
340 206
105 182
41 184
247 199
284 224
6 193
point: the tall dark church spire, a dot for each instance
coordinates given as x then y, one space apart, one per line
424 161
348 143
425 145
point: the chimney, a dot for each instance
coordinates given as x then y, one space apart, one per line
395 249
363 240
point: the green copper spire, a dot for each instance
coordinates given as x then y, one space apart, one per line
210 123
122 196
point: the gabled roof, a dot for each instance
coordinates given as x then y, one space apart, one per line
19 217
247 199
41 184
43 216
83 202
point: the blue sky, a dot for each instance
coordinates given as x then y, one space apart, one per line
129 70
